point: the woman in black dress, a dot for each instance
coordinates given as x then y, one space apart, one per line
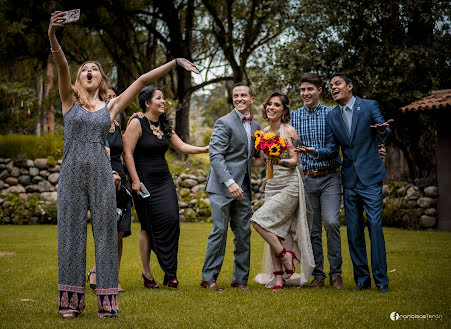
114 150
146 141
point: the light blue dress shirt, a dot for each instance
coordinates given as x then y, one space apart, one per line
347 114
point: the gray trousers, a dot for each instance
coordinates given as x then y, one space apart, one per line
240 213
324 193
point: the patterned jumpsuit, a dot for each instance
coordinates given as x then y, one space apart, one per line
86 183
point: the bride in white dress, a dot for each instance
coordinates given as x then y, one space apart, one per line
282 219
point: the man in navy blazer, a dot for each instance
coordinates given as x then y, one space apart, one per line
356 125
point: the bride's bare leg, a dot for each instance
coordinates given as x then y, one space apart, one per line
269 237
276 246
277 267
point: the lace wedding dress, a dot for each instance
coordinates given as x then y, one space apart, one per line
286 212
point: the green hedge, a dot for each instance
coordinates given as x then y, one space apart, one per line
17 146
201 212
16 210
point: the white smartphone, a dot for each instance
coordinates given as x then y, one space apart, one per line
72 16
144 194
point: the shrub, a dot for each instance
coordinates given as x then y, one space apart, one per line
200 211
202 208
48 212
185 195
51 162
190 215
195 162
206 136
16 146
18 211
390 213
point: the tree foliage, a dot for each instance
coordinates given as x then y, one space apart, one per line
395 51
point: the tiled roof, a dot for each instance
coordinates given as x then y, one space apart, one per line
438 100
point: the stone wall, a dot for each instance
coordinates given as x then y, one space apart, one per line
38 176
28 177
422 202
193 200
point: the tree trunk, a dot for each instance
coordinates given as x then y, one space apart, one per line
39 93
182 111
50 85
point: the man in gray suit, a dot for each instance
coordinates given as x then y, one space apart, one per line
229 188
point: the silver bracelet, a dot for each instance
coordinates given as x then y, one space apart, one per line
55 51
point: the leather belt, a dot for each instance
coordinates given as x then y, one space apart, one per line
317 173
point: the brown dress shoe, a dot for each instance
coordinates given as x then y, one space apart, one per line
337 282
210 285
316 282
239 285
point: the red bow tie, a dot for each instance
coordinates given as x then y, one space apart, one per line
249 118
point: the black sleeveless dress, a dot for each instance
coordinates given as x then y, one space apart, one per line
159 213
116 149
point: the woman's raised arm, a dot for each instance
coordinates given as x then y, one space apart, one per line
65 86
119 103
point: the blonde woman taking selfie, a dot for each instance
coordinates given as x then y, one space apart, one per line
86 180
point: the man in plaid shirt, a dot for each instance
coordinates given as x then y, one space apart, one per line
322 181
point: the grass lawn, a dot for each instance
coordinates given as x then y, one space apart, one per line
419 265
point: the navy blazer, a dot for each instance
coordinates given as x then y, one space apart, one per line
360 152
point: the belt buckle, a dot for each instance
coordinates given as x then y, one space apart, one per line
315 173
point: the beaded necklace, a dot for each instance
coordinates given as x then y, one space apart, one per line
156 130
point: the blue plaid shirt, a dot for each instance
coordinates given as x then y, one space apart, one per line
311 128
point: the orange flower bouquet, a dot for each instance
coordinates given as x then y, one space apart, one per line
273 146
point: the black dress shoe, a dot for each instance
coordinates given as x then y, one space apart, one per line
382 289
361 286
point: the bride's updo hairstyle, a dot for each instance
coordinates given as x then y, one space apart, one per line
145 95
286 117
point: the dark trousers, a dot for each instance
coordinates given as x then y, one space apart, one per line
368 198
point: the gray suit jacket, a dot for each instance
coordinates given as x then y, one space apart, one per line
229 156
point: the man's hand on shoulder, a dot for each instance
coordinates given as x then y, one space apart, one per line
236 191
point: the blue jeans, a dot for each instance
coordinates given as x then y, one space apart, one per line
324 193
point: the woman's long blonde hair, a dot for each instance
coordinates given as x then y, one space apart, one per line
81 93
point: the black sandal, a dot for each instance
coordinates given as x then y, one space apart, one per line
92 285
